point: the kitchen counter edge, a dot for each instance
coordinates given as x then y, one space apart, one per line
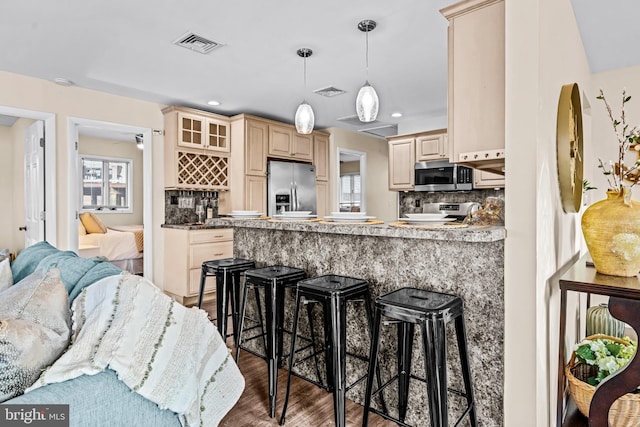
467 234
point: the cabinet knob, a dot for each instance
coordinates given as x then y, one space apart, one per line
475 156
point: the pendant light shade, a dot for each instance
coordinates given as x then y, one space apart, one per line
304 118
367 102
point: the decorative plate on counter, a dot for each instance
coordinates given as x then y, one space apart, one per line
350 218
295 216
245 214
427 216
418 221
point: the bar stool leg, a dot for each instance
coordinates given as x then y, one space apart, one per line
221 304
367 306
203 279
272 344
373 365
435 365
461 335
280 323
294 335
235 303
243 311
313 341
338 335
406 332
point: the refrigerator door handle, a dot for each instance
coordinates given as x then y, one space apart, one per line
295 196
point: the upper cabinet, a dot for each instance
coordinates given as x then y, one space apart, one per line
477 83
406 150
197 149
486 179
402 158
432 146
285 142
202 131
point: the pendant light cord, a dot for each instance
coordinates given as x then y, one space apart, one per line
367 54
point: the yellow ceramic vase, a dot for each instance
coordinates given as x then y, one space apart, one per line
611 228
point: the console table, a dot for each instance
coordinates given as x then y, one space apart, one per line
624 304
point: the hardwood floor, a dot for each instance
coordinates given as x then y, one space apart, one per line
309 405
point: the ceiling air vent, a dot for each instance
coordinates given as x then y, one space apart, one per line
196 43
355 121
383 131
329 91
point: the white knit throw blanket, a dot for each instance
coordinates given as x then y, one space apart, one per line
167 353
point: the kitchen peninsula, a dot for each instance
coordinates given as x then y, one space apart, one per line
468 262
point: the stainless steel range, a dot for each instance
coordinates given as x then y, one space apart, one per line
455 211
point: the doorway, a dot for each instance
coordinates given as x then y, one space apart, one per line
42 194
106 131
351 180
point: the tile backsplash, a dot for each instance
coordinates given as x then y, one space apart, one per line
408 200
180 205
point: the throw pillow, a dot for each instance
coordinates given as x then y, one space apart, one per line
92 223
6 277
81 230
34 330
28 259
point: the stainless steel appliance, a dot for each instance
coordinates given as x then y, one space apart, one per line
442 176
454 211
291 187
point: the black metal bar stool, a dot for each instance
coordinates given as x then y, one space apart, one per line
274 280
333 292
227 273
431 311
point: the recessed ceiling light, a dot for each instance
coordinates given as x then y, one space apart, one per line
62 81
396 115
212 102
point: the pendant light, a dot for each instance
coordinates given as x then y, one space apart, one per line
367 102
304 114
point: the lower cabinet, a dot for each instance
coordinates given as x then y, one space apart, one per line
184 253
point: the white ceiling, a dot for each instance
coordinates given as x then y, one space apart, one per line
126 48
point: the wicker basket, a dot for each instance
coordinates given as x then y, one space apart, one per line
625 412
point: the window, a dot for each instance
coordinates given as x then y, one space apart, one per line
106 184
349 192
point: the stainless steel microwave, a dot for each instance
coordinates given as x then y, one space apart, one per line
442 176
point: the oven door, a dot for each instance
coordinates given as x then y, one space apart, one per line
435 176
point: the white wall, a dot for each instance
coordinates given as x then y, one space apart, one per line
380 202
544 52
119 150
6 189
44 96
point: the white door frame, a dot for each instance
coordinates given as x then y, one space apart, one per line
363 177
73 185
50 208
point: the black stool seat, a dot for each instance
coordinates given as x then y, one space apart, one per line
274 280
333 292
227 272
431 311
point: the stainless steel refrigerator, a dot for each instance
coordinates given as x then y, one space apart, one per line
291 187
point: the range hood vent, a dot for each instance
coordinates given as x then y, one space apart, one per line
196 43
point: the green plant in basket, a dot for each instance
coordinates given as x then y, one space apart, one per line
606 355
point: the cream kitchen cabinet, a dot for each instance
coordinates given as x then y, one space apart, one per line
402 159
476 79
486 179
323 206
321 156
432 146
285 142
197 149
256 193
184 253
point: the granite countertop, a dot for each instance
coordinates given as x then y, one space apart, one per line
466 234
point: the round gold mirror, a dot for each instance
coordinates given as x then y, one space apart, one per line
569 147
